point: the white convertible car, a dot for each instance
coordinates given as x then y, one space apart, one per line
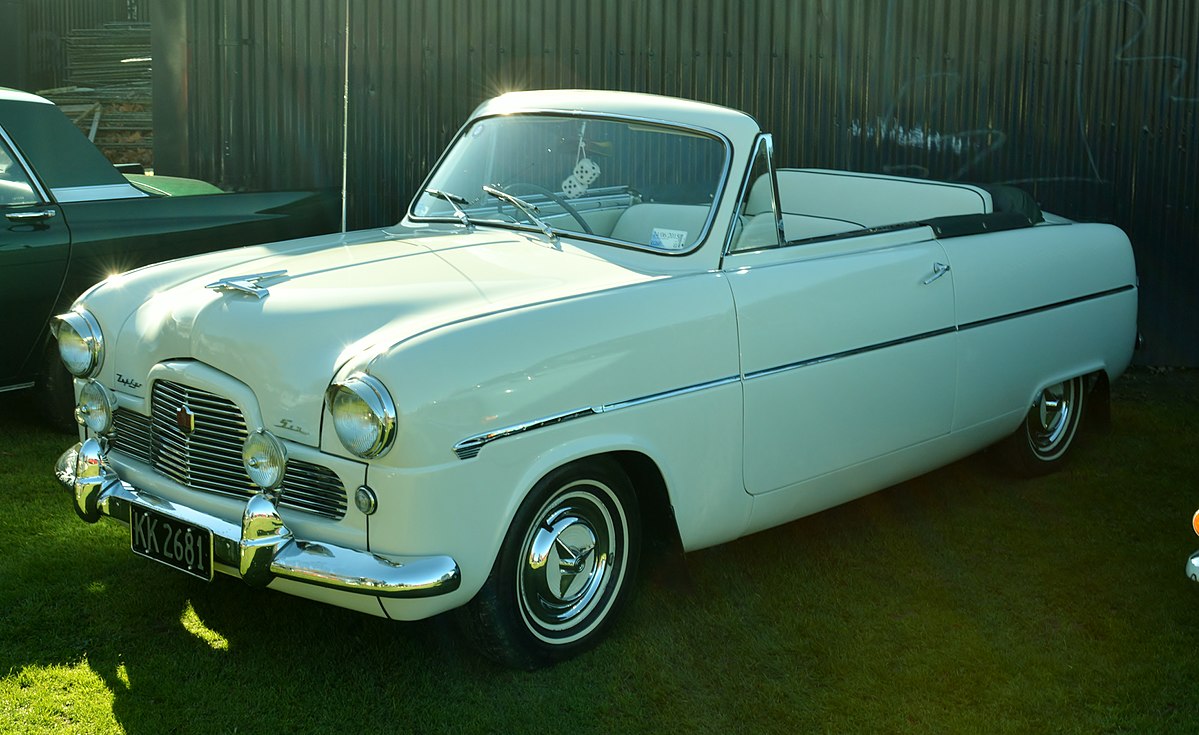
607 318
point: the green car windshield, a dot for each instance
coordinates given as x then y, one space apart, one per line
628 182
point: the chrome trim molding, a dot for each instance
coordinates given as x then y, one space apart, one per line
470 447
97 193
610 407
26 169
847 353
378 399
259 547
1046 307
934 333
21 217
709 225
81 320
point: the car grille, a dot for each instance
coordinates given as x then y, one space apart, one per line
209 459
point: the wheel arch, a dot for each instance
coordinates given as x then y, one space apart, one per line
1099 408
659 529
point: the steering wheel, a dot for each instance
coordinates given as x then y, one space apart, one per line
556 200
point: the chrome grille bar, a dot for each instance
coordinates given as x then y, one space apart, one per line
131 434
209 459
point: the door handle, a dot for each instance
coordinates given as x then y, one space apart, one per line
28 216
939 269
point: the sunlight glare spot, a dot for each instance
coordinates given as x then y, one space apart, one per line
97 588
192 624
123 675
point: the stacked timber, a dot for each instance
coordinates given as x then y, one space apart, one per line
108 91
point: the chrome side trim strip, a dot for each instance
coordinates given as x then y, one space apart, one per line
934 333
1046 307
610 407
471 446
847 353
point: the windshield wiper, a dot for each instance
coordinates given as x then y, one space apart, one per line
529 209
455 201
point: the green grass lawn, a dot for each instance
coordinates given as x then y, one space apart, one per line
962 601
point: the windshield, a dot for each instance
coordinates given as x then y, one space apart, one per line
636 183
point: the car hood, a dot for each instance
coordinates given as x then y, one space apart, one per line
335 303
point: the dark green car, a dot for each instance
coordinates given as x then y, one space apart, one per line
71 219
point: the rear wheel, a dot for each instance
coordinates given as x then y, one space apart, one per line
1042 442
565 569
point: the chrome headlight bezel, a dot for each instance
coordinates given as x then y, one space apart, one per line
85 358
362 401
96 408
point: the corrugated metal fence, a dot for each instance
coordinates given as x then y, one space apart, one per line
1089 104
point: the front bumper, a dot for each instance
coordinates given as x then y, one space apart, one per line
261 548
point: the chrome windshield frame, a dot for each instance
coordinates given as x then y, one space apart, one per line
709 223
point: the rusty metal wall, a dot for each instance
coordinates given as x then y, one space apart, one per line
48 23
1089 104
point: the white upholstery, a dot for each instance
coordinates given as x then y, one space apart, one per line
638 222
874 200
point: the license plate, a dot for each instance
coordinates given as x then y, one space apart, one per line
170 541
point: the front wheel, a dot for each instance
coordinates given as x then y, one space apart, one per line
1042 442
56 392
564 571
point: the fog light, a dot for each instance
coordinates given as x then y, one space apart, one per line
265 459
366 501
96 406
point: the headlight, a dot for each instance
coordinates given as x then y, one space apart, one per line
265 459
80 343
96 404
363 415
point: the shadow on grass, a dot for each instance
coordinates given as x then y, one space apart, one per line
958 601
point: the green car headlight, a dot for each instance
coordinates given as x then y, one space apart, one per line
364 415
96 407
80 343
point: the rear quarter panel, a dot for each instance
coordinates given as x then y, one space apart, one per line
1036 306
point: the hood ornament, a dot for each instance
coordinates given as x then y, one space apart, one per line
250 284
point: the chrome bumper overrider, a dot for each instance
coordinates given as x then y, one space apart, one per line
1193 567
261 548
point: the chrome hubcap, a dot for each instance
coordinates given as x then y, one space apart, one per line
1051 415
568 560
